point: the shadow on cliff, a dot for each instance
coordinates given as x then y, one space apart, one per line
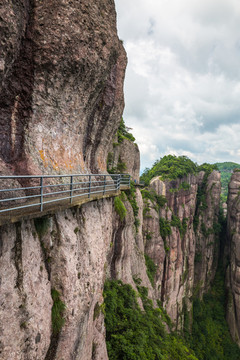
16 97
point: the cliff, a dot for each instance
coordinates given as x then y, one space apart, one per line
61 85
61 69
66 258
185 253
71 253
233 257
125 157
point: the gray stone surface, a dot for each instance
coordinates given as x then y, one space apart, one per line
61 78
233 278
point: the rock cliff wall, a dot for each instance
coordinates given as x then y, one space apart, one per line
61 78
125 158
233 251
184 251
61 101
71 252
66 257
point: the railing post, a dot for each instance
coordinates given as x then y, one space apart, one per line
129 180
41 193
104 188
119 181
89 191
71 188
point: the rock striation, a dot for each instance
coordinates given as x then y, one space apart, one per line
61 100
61 85
73 252
175 238
233 250
125 158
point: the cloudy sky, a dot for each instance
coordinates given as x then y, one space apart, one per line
182 86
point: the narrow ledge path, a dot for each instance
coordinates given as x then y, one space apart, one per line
45 200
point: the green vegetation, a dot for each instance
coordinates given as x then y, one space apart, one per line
170 167
208 168
41 225
121 166
151 268
157 201
133 334
120 208
201 193
165 228
146 209
123 133
131 196
98 309
57 312
184 185
210 336
148 235
226 169
76 230
151 195
181 225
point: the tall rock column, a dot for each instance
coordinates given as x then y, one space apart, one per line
233 271
207 230
184 251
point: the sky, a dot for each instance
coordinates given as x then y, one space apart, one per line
182 84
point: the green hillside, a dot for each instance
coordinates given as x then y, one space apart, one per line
226 169
171 167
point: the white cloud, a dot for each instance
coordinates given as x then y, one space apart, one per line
182 85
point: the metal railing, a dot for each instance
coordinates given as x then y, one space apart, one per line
19 192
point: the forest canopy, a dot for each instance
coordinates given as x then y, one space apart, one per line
171 167
226 169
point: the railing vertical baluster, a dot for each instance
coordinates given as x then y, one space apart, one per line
104 188
71 189
41 193
85 188
89 190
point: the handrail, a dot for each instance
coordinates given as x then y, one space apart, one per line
38 190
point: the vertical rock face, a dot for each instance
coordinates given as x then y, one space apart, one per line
207 229
67 253
183 254
61 76
71 252
25 292
128 260
233 273
126 155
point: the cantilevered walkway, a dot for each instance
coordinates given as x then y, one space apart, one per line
32 196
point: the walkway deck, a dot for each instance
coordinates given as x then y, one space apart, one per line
44 199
